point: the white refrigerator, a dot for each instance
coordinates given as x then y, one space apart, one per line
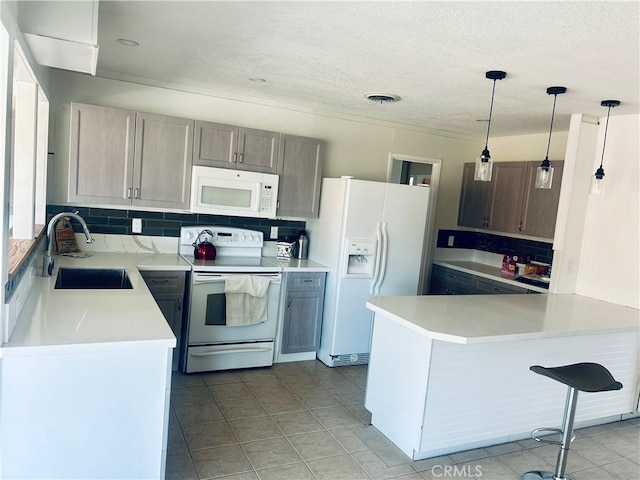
371 235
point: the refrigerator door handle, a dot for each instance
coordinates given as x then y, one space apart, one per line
376 267
383 259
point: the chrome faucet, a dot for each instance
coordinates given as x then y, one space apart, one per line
48 260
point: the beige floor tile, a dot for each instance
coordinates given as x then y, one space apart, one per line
294 471
386 450
270 453
623 441
377 469
229 391
264 388
221 461
595 452
489 468
182 380
251 429
180 467
311 446
349 439
284 370
624 469
575 461
429 463
190 395
195 413
342 467
469 455
297 422
596 473
503 448
245 408
525 461
335 417
317 397
256 374
219 378
300 383
175 442
208 435
349 394
281 403
333 382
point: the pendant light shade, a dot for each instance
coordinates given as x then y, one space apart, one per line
484 165
597 181
544 173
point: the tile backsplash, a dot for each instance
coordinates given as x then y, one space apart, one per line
488 242
165 224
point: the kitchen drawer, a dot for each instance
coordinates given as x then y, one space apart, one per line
486 286
164 281
450 282
305 281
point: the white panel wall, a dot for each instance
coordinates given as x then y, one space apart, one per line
610 254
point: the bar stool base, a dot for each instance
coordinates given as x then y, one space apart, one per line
543 475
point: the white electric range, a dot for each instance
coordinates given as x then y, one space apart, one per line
212 344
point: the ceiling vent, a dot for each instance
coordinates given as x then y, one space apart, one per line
382 97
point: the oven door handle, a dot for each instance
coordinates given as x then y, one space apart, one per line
213 278
230 350
208 278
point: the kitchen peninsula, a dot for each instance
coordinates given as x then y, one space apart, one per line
451 373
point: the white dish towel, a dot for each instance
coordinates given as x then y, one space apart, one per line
246 297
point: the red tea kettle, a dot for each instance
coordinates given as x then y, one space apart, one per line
204 250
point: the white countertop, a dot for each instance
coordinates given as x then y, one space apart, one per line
296 265
69 321
498 318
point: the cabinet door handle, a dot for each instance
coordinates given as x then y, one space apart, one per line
136 192
160 280
288 302
235 158
241 155
520 226
129 192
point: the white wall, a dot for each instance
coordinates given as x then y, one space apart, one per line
354 146
598 245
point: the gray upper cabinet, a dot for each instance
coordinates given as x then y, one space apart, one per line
509 202
540 206
228 146
120 157
101 154
300 170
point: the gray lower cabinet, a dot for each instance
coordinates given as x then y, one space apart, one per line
121 157
304 298
228 146
300 170
167 288
447 281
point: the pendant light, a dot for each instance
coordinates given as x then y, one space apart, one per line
597 181
483 162
544 173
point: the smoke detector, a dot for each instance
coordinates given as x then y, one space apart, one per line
382 97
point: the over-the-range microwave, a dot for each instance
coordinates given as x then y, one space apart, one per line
221 191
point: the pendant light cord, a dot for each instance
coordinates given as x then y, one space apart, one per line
553 112
493 91
604 140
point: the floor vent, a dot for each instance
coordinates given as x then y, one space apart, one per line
353 359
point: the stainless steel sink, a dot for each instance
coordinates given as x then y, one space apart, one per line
92 278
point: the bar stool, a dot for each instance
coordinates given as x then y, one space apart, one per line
586 377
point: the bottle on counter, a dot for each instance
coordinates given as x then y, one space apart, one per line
303 244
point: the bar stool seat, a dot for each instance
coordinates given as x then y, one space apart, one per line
585 377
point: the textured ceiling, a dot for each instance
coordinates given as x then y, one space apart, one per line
324 56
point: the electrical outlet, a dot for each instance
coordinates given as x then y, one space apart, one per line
450 241
274 233
136 225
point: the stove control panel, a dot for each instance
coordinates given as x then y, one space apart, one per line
222 236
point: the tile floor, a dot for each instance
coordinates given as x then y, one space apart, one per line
304 421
